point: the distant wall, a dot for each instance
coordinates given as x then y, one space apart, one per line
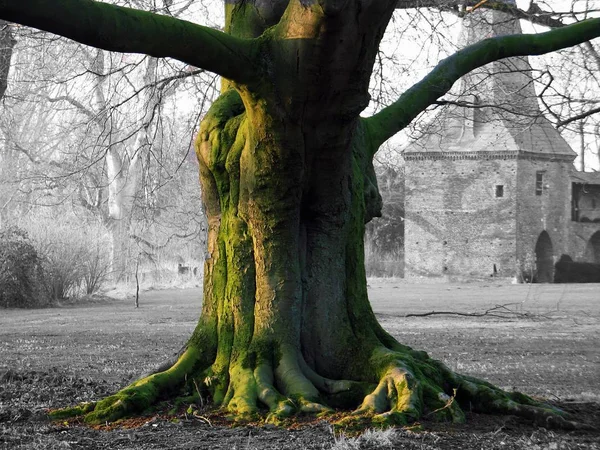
460 217
584 241
586 202
542 206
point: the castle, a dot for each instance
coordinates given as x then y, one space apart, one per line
493 191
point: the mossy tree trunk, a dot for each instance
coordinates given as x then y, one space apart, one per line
288 185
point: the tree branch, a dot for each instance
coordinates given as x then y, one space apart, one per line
583 115
438 82
460 7
128 30
501 311
78 105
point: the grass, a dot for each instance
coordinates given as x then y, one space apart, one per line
375 439
57 356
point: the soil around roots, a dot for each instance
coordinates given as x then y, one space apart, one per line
24 424
411 387
47 365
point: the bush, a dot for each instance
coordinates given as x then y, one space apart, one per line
382 264
74 256
96 261
384 236
21 274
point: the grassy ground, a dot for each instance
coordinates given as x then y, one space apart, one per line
544 340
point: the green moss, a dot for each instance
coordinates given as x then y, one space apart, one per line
75 411
359 309
248 361
265 351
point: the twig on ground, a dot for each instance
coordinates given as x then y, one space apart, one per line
501 311
202 418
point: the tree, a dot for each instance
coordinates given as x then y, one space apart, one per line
384 235
288 185
70 137
7 44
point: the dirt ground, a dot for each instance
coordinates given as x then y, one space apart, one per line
543 340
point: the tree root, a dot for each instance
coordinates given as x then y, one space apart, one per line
285 390
412 386
409 387
135 398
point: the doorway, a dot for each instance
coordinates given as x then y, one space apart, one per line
592 249
544 259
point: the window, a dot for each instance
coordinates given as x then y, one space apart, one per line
539 183
499 190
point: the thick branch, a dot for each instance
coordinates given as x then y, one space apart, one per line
415 100
121 29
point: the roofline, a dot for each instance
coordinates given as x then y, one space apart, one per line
487 155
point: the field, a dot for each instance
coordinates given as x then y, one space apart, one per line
543 340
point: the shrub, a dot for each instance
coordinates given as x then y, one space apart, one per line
384 236
384 264
96 259
74 256
20 270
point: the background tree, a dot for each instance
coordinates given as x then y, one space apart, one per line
288 185
384 236
103 133
7 43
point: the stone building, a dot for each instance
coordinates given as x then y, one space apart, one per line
493 191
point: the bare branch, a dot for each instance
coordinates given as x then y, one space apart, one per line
66 98
583 115
501 311
460 8
439 81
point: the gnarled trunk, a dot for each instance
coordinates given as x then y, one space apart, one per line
285 280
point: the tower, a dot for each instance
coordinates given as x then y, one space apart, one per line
487 187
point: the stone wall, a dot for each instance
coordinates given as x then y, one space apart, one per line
459 222
584 242
548 210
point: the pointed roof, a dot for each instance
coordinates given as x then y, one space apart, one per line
514 125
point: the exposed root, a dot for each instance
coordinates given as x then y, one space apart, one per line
284 391
135 398
410 387
397 399
487 398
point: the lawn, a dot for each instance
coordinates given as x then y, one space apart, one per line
543 340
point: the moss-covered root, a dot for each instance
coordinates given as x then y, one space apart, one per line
135 398
412 386
285 389
401 397
487 398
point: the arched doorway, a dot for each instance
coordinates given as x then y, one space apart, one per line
544 259
592 249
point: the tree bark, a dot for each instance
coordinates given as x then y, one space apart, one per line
7 43
288 185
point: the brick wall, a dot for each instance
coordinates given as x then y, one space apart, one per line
549 211
584 242
455 226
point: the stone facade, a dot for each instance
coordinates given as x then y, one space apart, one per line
456 224
492 191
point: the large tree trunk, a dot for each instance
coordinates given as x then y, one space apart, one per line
288 185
